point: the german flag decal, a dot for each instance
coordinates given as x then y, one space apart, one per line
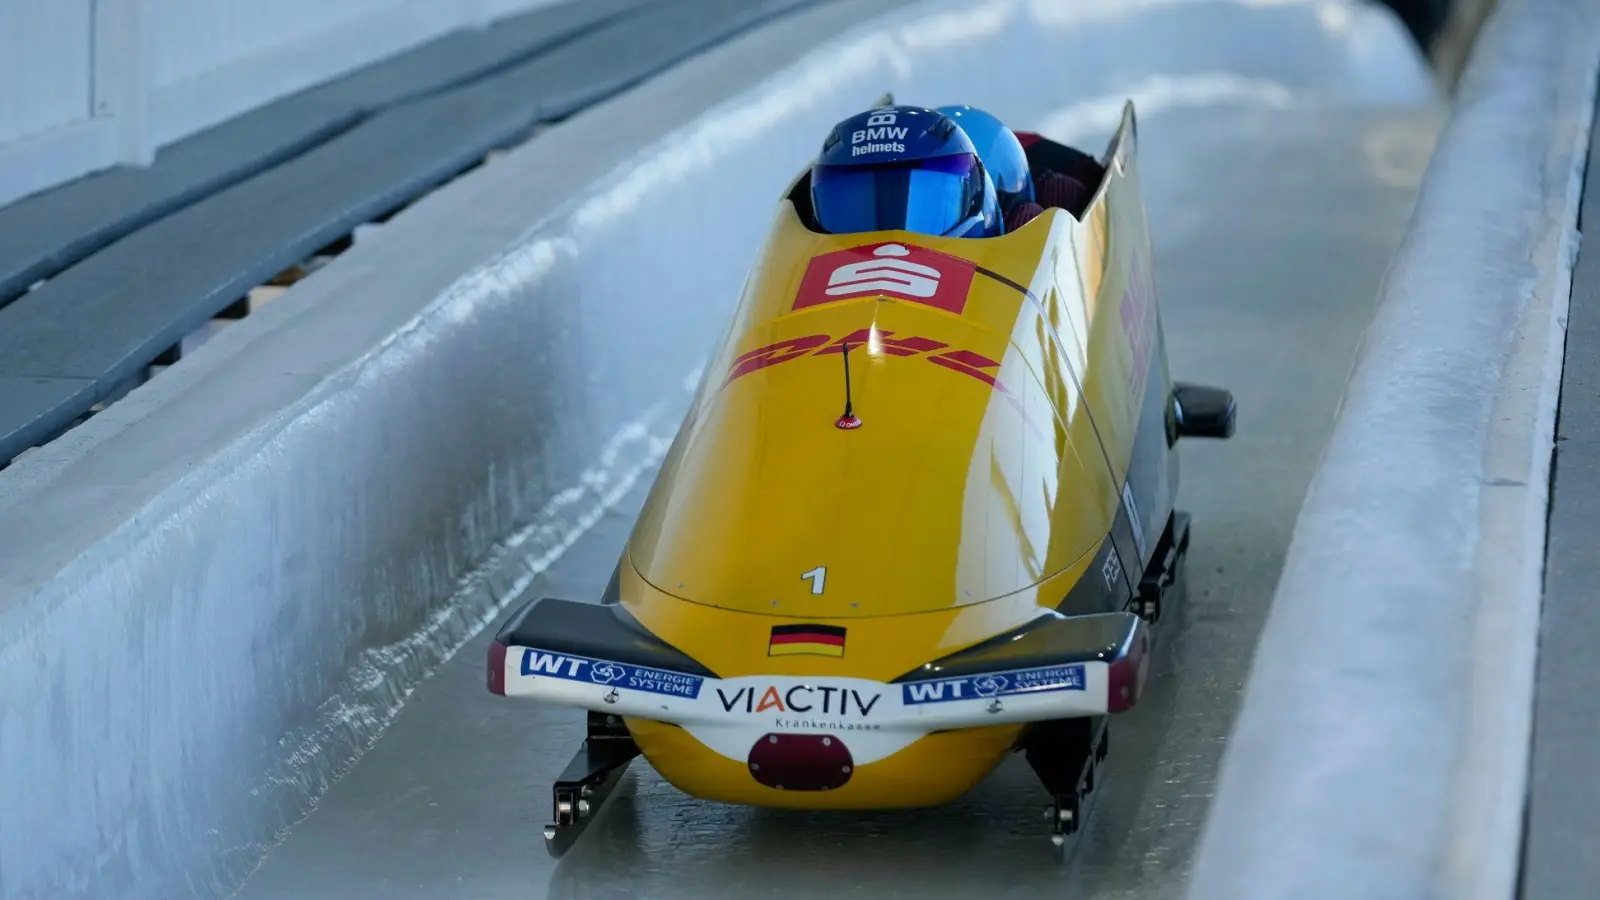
819 640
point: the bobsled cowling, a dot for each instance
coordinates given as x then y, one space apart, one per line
596 657
919 515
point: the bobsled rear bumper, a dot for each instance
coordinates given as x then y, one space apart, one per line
596 657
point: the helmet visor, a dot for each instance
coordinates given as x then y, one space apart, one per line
927 196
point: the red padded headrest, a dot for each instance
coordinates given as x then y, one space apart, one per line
1056 189
1022 214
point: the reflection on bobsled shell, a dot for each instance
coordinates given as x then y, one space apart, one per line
920 514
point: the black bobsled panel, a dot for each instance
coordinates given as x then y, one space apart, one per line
46 232
1047 641
599 632
106 318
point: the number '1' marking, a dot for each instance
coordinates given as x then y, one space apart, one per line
816 576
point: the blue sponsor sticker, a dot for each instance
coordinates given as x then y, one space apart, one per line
994 684
610 674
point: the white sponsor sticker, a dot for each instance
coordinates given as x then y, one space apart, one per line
874 718
1133 518
1108 571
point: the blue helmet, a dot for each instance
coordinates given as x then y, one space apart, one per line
903 168
1001 152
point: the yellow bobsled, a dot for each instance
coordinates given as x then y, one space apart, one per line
919 516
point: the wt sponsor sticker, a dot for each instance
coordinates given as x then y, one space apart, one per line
610 674
994 684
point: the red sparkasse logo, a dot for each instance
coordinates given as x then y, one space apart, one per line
915 274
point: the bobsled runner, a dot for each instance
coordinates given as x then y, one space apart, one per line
919 516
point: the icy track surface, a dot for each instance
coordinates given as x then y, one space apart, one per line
1270 300
1273 218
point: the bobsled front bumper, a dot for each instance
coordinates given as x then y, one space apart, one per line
596 657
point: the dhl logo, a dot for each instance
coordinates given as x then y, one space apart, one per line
937 352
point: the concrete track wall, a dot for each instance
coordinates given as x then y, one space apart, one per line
194 645
1382 750
87 84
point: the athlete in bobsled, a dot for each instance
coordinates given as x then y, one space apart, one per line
952 171
872 610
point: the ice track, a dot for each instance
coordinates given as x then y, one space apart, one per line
1275 207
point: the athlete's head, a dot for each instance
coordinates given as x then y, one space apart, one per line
1001 152
903 168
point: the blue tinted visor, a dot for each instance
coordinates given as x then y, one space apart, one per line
927 196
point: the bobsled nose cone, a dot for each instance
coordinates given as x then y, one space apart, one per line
801 762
